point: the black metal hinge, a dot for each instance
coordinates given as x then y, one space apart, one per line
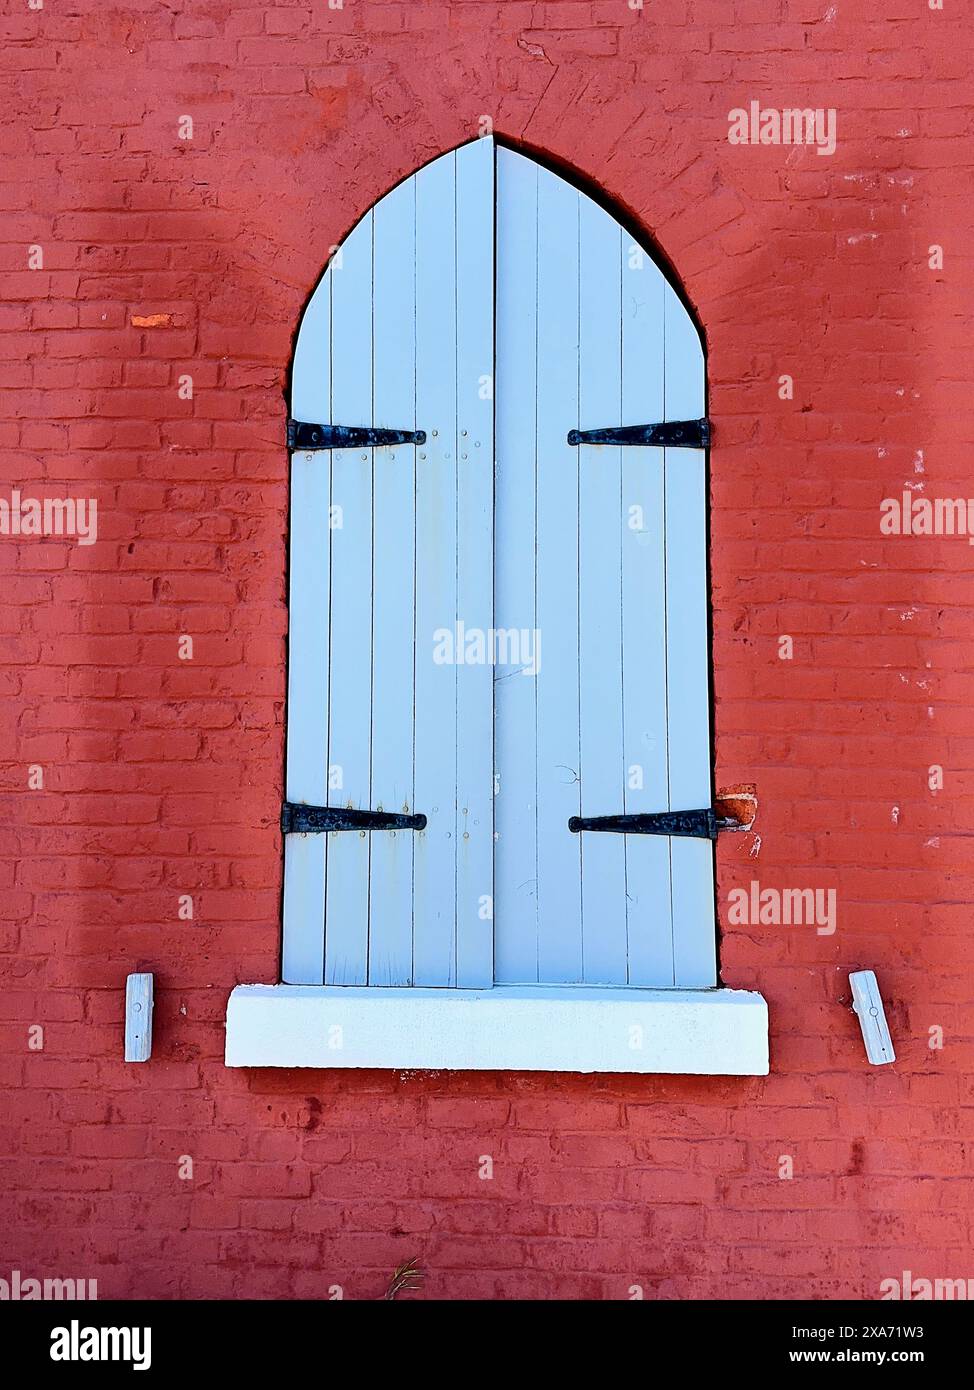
298 819
304 436
670 434
703 824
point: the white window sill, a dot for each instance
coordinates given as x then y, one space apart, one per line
714 1032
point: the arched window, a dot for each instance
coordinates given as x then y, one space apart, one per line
499 781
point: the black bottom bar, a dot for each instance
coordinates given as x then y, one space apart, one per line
180 1342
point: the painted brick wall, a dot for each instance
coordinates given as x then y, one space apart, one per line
164 257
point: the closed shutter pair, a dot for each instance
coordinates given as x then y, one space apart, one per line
498 600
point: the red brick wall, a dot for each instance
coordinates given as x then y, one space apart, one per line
162 777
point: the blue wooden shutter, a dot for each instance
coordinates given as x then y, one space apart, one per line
388 546
603 550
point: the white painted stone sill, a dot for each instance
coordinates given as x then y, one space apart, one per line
574 1028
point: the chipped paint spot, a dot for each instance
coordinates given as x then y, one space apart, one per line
895 816
933 843
755 849
863 236
918 462
534 49
909 613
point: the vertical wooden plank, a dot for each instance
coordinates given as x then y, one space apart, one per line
475 513
644 623
515 695
559 851
435 854
138 1018
600 653
393 585
305 856
687 654
350 668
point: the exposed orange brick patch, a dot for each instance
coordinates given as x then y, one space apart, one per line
738 803
151 320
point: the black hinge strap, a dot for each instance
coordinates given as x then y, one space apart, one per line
304 436
298 819
703 824
670 434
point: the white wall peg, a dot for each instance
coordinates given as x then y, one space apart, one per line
138 1018
868 1004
